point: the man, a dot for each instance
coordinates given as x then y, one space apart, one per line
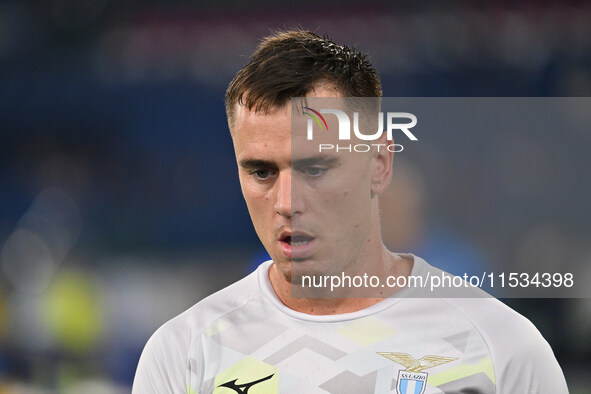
317 215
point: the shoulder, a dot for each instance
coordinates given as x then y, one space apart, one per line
523 361
497 322
201 315
165 359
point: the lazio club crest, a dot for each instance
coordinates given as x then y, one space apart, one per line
412 380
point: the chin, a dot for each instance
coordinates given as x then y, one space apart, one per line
292 276
301 269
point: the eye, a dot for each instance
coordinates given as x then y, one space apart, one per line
314 171
261 174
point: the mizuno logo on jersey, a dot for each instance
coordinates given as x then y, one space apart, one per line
244 387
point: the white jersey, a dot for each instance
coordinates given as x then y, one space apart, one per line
242 339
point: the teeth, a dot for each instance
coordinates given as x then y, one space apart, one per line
299 243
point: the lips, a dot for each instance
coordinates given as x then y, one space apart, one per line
296 245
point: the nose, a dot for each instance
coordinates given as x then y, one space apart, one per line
283 194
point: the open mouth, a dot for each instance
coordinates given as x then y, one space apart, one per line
297 240
297 245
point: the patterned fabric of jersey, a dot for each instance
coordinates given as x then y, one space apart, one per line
257 341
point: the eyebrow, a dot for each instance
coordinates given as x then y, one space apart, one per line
256 163
299 163
315 160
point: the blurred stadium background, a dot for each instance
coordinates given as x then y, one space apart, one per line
119 200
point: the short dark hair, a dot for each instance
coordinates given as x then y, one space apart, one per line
291 63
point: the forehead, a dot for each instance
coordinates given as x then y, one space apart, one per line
269 133
251 126
259 136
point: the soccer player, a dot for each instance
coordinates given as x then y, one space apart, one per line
317 215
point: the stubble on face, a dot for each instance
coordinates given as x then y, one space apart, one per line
337 213
263 153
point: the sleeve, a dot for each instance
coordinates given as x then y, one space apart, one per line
528 365
523 361
163 364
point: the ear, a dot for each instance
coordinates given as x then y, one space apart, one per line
381 165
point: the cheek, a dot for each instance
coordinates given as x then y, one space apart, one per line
351 193
251 191
354 209
344 212
258 204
